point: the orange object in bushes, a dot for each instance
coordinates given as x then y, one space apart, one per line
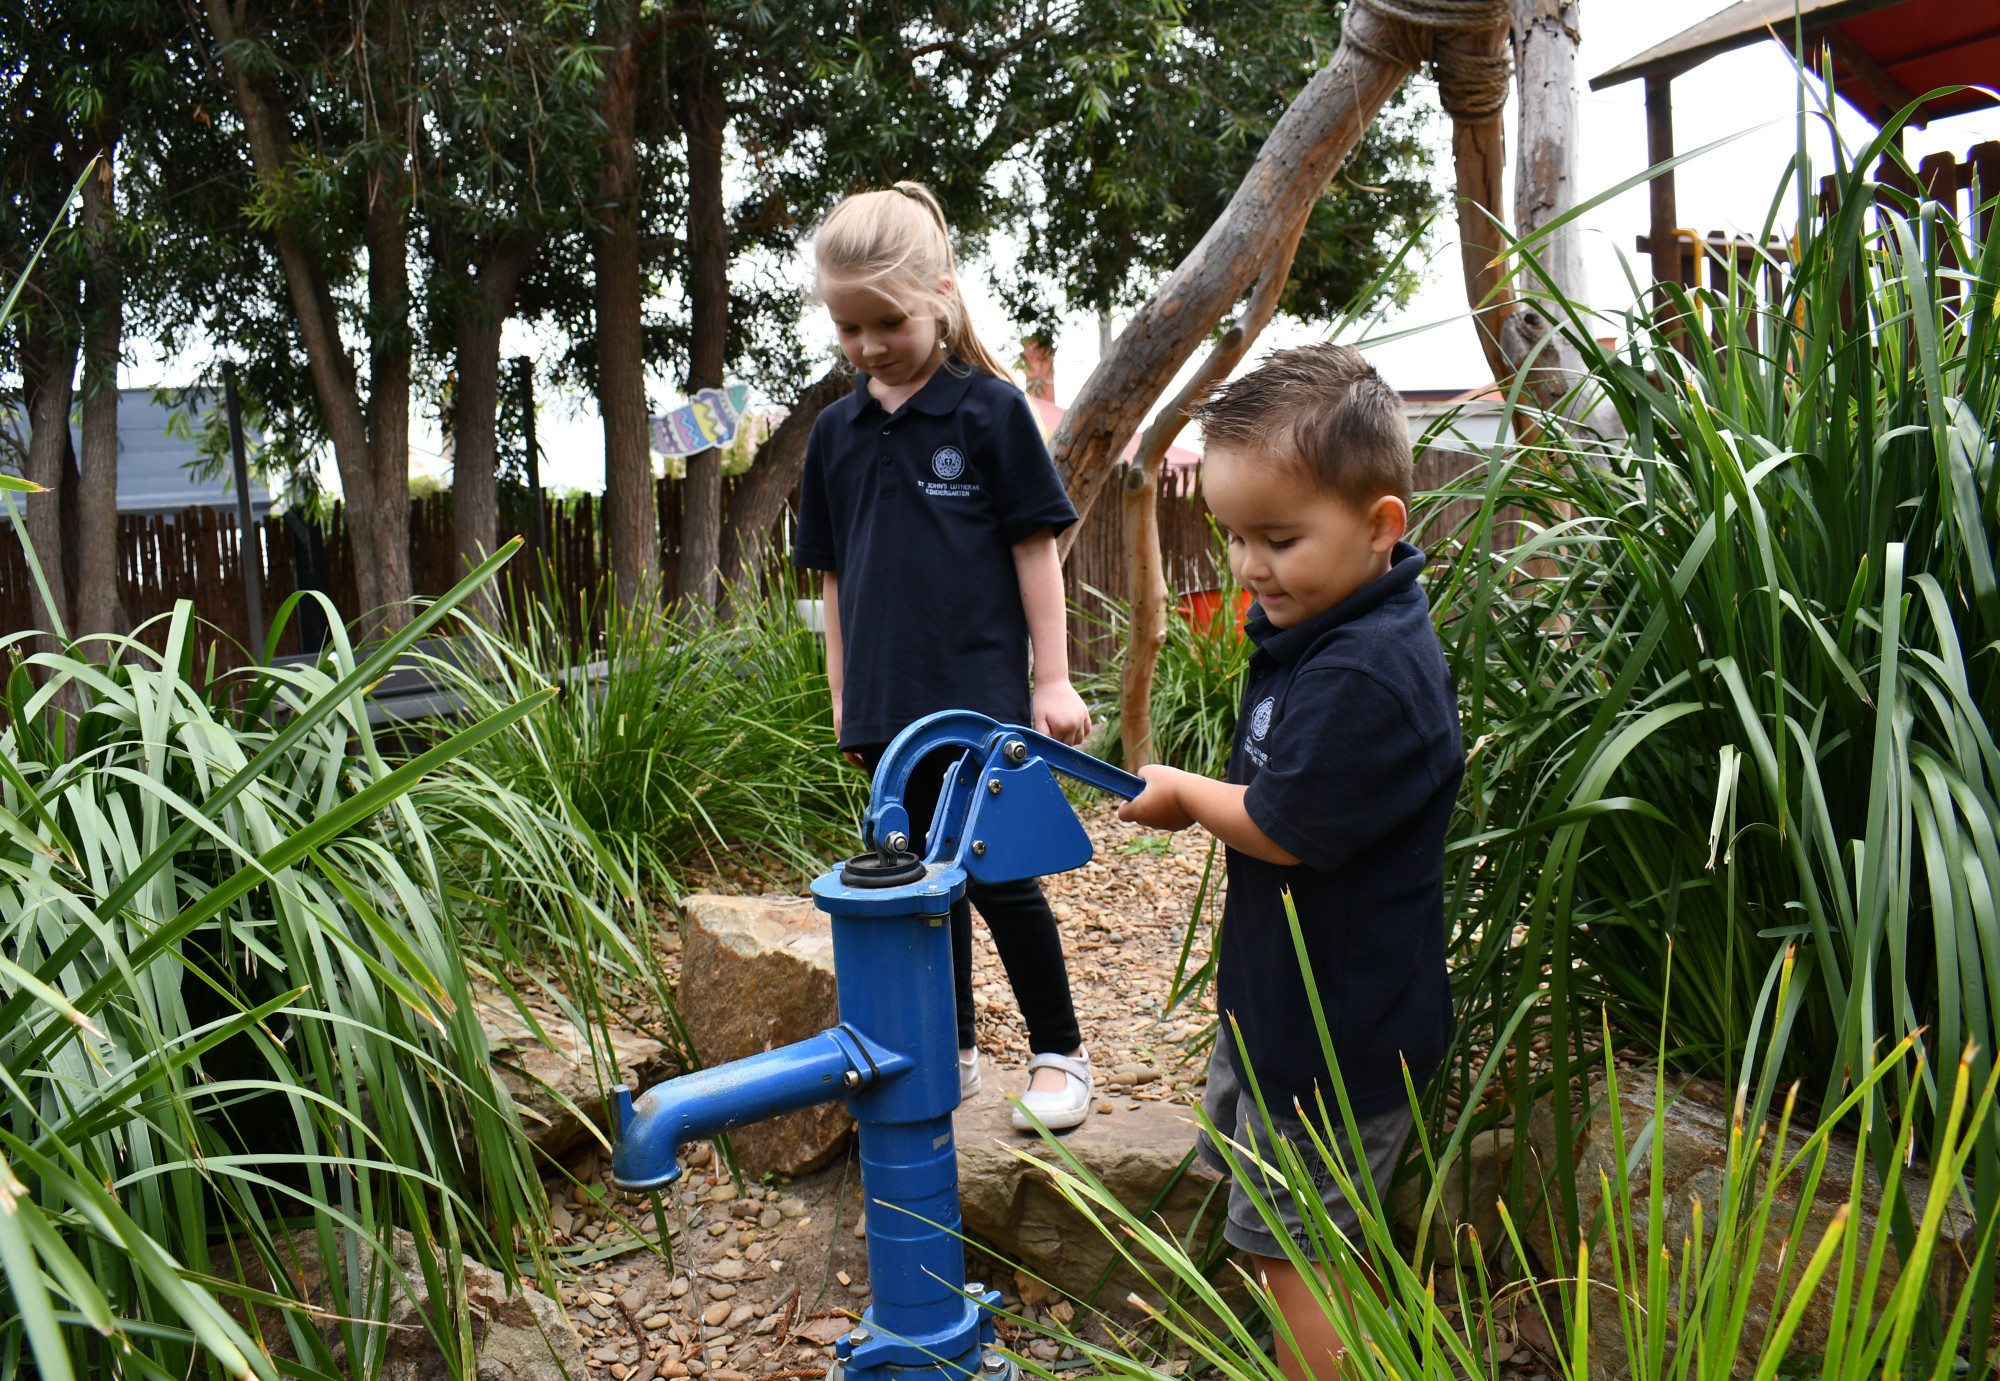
1202 607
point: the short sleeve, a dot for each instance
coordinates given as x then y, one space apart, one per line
813 546
1027 496
1347 769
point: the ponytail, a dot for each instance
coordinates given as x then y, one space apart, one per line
897 242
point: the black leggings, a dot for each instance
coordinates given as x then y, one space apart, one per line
1016 914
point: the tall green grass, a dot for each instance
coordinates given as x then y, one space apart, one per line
1728 694
677 743
237 955
1660 1290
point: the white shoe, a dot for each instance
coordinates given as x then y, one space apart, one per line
1058 1109
968 1073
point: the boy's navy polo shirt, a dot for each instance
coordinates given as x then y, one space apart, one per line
918 514
1349 742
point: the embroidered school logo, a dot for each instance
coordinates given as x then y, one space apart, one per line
1260 718
947 462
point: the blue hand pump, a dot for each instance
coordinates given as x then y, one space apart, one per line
894 1056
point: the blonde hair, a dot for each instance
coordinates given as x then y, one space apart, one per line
896 242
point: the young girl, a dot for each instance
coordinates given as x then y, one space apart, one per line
931 507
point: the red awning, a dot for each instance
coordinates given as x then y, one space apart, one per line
1886 52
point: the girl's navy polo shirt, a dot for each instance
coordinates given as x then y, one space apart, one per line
1348 739
918 514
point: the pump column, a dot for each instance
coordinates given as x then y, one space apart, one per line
892 956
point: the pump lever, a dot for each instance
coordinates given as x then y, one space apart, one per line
988 744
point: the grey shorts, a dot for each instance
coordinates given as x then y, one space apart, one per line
1232 1108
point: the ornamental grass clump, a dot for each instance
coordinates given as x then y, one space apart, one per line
1631 1299
678 742
238 949
1728 691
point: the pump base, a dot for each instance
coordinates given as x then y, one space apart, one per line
992 1365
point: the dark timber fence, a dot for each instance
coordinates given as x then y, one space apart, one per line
196 555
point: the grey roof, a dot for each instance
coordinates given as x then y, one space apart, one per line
152 461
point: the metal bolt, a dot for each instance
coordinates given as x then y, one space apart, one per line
993 1362
859 1336
896 842
979 848
993 785
975 1288
852 1078
1016 752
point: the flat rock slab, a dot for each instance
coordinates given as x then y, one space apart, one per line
757 973
1011 1204
518 1335
1694 1151
552 1081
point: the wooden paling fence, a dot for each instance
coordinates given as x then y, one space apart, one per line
197 555
1738 268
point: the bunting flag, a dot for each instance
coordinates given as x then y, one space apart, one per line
705 421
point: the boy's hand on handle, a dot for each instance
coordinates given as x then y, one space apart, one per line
1060 712
1159 806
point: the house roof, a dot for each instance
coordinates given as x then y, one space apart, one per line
153 456
1886 52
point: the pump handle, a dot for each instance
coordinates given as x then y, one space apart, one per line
986 740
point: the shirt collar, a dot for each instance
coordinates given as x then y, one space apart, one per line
939 397
1286 645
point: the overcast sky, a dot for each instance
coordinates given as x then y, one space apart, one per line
1748 92
1730 189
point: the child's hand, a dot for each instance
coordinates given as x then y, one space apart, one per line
854 758
1159 805
1060 712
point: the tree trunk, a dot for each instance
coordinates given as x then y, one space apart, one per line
327 359
386 227
1546 36
1304 150
774 471
1479 162
97 605
1145 569
631 519
704 113
475 498
48 369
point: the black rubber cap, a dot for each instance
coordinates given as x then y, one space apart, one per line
872 870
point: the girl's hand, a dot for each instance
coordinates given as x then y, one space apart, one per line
1159 805
1060 712
854 758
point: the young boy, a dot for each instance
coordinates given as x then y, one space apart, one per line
1346 763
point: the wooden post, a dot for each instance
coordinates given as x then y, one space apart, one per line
248 536
538 527
1145 564
1663 242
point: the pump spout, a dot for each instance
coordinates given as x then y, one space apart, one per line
837 1063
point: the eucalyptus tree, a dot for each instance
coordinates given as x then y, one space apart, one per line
1137 136
509 128
325 104
44 153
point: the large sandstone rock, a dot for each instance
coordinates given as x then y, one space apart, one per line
1473 1182
516 1336
1694 1150
547 1079
757 973
1012 1206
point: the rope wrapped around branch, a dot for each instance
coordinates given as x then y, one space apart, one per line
1454 37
